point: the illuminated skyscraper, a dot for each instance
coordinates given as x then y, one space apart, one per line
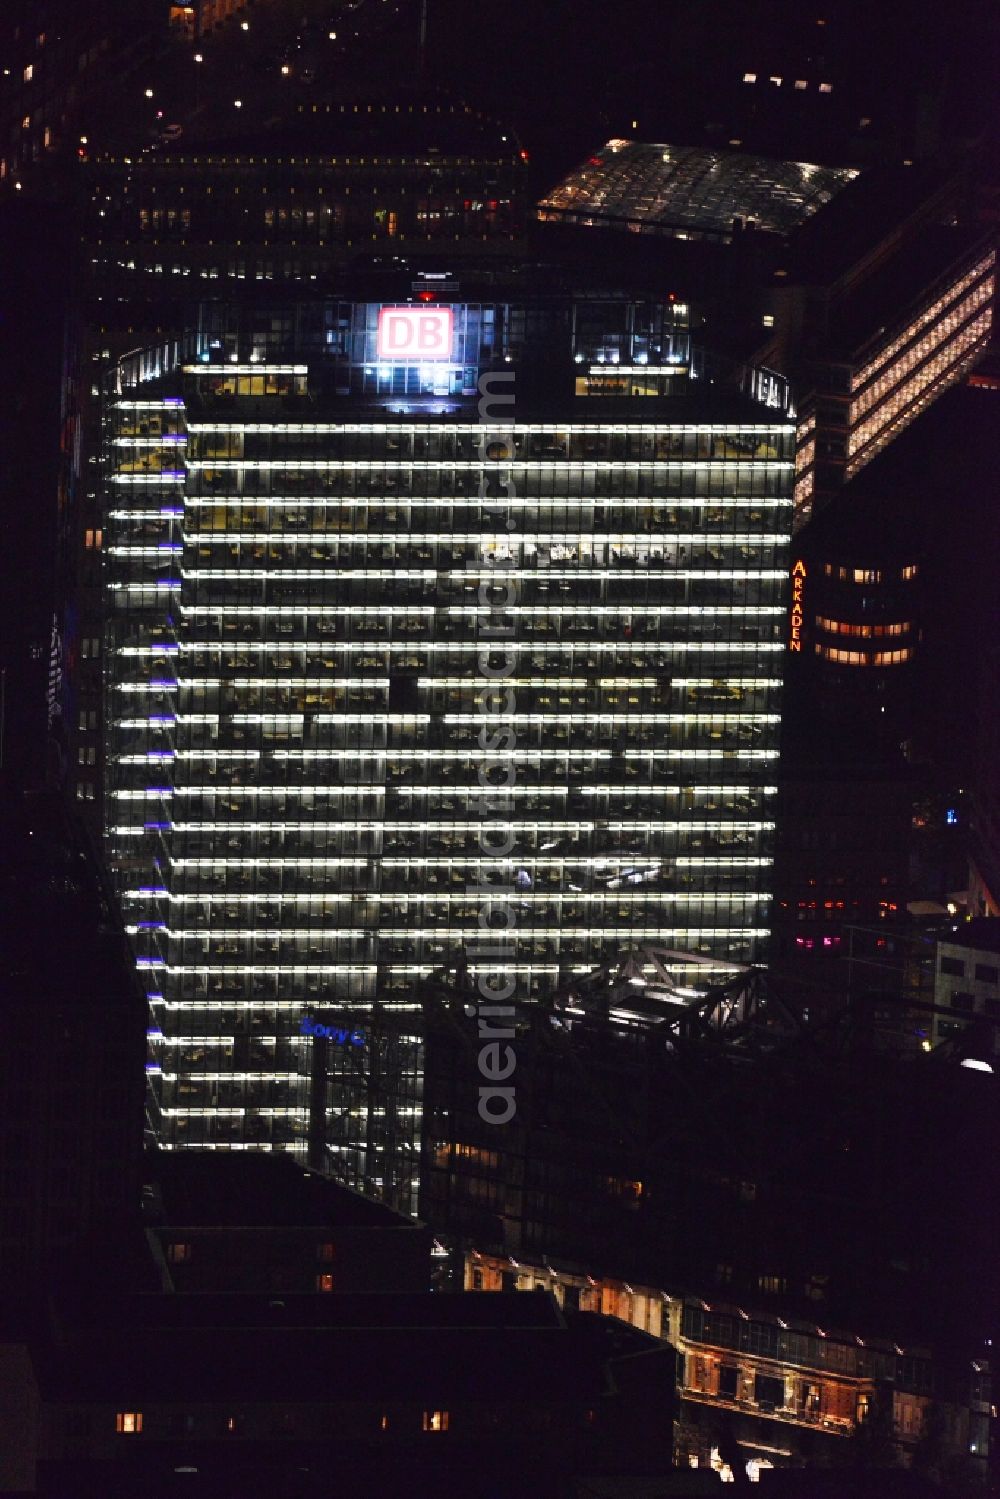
320 550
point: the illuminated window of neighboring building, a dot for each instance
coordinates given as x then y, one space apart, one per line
178 1254
909 572
810 1396
324 1253
892 658
384 1423
324 1282
130 1421
843 658
768 320
773 1285
435 1420
864 1405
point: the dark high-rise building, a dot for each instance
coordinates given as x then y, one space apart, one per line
72 1039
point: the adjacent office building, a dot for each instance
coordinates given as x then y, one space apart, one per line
871 289
312 525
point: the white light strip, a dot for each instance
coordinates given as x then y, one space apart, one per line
234 826
245 369
642 539
493 575
387 463
391 501
480 429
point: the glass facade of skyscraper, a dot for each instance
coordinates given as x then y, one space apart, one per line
303 560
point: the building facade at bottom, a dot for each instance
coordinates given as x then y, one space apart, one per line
756 1391
338 562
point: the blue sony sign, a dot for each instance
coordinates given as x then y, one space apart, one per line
311 1027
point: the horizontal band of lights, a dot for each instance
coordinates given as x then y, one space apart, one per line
493 575
521 899
927 315
465 685
320 902
597 863
646 541
941 337
497 824
907 398
219 1111
569 466
465 934
245 369
498 433
843 627
702 963
197 1076
170 403
154 793
243 502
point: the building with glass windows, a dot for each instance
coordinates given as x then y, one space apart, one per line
870 289
326 553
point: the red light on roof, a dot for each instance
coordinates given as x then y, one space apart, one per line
426 296
525 156
672 297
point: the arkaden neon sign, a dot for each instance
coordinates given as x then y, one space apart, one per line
795 617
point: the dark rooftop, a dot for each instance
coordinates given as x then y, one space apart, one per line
381 1348
228 1189
875 206
905 279
414 126
982 934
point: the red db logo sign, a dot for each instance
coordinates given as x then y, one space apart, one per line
416 333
